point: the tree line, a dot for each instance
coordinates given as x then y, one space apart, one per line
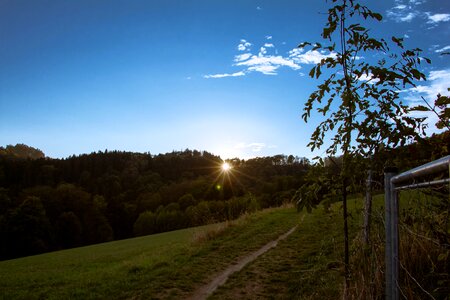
51 204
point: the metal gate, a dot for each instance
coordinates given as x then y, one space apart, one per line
392 184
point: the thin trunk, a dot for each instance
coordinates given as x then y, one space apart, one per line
368 208
346 252
347 141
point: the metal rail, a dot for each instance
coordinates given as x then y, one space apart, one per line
439 165
393 183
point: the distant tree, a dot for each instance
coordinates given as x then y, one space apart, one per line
22 151
145 224
5 201
185 201
68 230
360 98
28 229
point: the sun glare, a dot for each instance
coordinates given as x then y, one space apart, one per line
226 167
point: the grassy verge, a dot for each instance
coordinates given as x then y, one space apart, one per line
169 265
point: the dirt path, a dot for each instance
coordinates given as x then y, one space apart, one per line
221 278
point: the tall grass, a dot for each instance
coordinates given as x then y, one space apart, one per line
424 250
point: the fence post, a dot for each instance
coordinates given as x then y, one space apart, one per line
388 193
394 237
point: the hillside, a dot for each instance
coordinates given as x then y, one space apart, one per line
53 204
166 265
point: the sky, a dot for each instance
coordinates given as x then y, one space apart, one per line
224 76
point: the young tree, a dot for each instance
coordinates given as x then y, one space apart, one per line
359 99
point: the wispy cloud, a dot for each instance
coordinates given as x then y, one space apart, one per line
268 62
242 57
439 83
436 18
442 49
368 78
254 147
408 10
236 74
404 11
244 45
309 57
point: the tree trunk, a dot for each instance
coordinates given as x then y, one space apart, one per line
346 252
368 209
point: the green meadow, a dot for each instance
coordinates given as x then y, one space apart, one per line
166 265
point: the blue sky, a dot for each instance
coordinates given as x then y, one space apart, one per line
162 75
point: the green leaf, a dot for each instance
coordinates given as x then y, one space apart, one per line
303 45
420 108
312 72
398 41
377 16
442 100
318 72
359 28
416 74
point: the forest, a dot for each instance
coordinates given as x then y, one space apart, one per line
50 204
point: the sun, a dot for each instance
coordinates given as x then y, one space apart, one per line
226 167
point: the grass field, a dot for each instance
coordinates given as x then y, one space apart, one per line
172 265
168 265
307 265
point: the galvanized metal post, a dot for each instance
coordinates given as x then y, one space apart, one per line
388 174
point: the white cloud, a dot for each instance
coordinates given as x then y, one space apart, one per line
440 75
436 18
310 57
400 7
265 69
408 17
404 10
236 74
267 64
242 57
368 78
439 82
408 10
268 37
254 147
442 49
244 45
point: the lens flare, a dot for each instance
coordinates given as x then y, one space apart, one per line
226 167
